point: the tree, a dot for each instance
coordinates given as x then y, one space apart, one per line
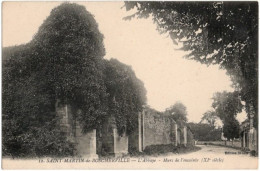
223 33
227 105
177 111
127 95
205 132
64 61
210 117
231 129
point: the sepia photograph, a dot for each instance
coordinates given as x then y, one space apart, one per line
130 85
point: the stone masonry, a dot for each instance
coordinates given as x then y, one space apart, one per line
154 128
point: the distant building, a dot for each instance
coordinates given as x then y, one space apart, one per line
248 135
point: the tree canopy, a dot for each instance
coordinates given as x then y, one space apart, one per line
227 105
223 33
210 117
178 111
205 132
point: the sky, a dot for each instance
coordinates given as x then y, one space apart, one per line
167 76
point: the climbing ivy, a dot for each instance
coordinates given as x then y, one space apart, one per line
127 95
64 61
70 54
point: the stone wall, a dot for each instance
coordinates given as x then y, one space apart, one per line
157 128
107 136
85 142
65 118
120 143
249 139
248 135
190 138
154 128
135 139
111 143
253 140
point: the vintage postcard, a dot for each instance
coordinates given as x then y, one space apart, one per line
130 85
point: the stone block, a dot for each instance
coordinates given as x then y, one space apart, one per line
86 146
120 143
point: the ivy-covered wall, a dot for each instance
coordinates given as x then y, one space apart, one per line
85 144
104 141
154 128
65 119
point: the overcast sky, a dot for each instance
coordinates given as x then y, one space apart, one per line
167 76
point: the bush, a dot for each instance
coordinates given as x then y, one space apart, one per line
38 142
253 153
133 151
160 149
166 148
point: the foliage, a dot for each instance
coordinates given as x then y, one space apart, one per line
224 33
205 132
169 148
38 141
70 50
178 111
227 105
63 61
27 113
210 117
231 129
127 95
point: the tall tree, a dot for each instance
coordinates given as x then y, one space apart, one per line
231 129
227 105
224 33
178 111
